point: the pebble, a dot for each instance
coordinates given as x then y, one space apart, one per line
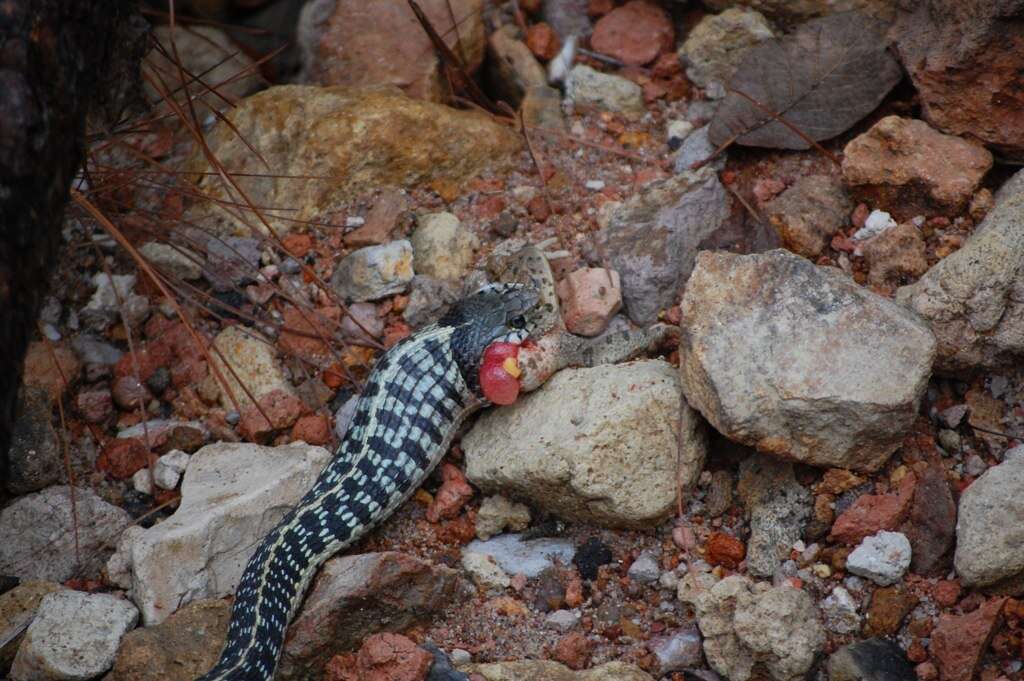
645 568
484 570
142 481
677 651
562 620
591 554
840 612
697 148
589 88
635 33
442 247
374 272
497 514
809 213
590 298
883 558
528 558
129 394
169 468
595 185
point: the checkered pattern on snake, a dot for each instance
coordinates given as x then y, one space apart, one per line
417 395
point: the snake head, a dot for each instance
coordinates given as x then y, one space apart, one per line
496 314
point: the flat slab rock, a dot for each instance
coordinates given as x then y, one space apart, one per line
799 361
596 445
232 494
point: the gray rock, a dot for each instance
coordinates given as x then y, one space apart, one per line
562 620
91 350
37 534
798 11
587 450
374 272
645 568
840 612
232 494
362 322
549 670
442 247
652 239
529 558
719 495
974 299
343 417
169 468
677 651
110 290
429 298
355 596
497 514
74 637
808 214
714 47
696 148
740 621
567 17
231 261
989 546
883 558
952 416
778 507
589 88
34 460
17 610
751 359
177 261
875 659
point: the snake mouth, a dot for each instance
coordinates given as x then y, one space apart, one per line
500 372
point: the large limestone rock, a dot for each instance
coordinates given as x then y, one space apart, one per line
974 298
597 445
990 528
357 140
232 494
799 361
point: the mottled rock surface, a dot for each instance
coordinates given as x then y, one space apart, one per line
592 89
778 507
714 47
809 213
874 659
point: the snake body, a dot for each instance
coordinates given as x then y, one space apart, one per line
417 395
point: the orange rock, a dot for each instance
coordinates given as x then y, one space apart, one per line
314 429
572 650
122 457
871 513
452 496
543 41
725 550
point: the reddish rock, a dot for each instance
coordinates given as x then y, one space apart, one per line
452 496
574 592
122 457
275 411
598 8
309 333
40 370
896 252
724 549
383 657
908 168
946 593
572 650
95 406
959 641
539 209
314 429
888 607
297 245
145 361
543 41
129 394
635 33
931 526
590 298
926 671
380 221
871 513
806 215
489 207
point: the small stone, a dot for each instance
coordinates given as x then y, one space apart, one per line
129 393
726 550
244 358
497 514
484 570
169 468
896 252
958 642
714 47
809 213
50 367
142 481
453 494
274 411
590 298
677 651
645 568
874 659
562 620
882 558
591 554
697 149
442 247
946 593
634 33
374 272
314 429
529 558
588 87
572 650
543 41
380 221
122 457
889 606
778 507
389 657
931 525
840 612
876 223
871 513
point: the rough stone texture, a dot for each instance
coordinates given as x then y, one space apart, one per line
651 240
384 657
244 358
714 47
587 449
634 33
359 136
529 558
874 659
232 494
959 641
184 646
589 88
73 637
496 513
485 572
442 247
696 148
778 507
37 534
590 298
429 298
547 670
965 60
677 651
931 526
897 252
800 10
17 608
177 261
883 558
889 606
740 621
512 69
35 459
752 359
354 596
909 168
870 513
809 213
343 43
374 272
839 610
990 529
974 298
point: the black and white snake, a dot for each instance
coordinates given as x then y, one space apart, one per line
418 394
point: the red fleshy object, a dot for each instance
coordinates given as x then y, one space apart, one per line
498 385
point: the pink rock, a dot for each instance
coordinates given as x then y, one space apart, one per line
590 298
452 496
383 657
95 406
960 641
314 429
275 411
872 513
635 33
129 394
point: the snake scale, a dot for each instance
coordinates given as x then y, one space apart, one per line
418 394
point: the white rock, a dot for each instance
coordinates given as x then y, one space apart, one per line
253 360
109 289
176 261
74 637
882 558
528 558
484 570
460 657
374 272
141 481
589 88
678 129
645 568
840 611
497 514
595 185
878 221
562 620
169 468
231 496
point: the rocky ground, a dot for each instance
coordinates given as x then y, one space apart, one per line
821 477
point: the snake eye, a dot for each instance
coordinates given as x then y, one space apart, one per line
518 322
